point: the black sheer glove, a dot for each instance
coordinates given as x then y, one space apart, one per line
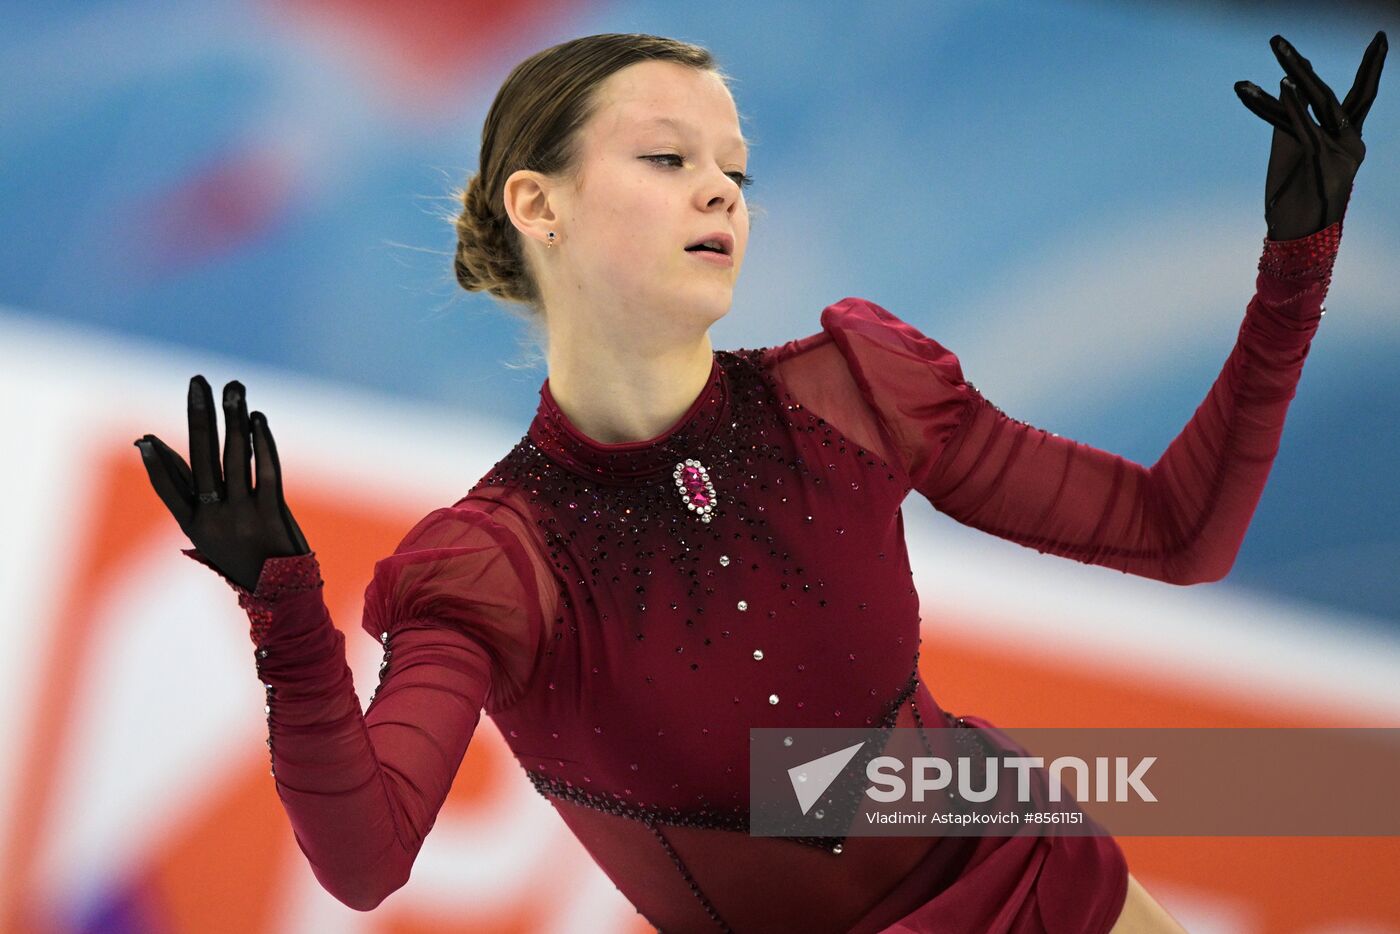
1311 168
233 524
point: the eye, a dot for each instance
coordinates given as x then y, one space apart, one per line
740 179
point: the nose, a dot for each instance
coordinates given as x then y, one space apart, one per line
721 187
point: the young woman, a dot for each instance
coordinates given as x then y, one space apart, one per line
688 543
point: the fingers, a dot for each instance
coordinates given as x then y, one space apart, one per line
236 447
171 480
175 465
269 468
1324 102
1264 106
204 438
1308 134
270 500
1368 77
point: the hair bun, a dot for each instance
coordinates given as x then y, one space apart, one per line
485 259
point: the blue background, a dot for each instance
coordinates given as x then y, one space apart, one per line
1068 195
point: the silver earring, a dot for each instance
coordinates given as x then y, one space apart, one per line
551 239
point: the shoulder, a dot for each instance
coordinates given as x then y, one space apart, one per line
470 520
865 334
481 529
859 324
446 551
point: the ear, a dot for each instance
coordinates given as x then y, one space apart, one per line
531 202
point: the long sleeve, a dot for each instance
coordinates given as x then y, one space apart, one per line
457 608
1181 520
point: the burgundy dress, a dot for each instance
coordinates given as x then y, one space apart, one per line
625 627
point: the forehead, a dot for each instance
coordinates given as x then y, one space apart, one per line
654 94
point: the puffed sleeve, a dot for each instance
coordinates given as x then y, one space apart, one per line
1181 520
468 569
458 610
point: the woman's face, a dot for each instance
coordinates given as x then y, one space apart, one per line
647 189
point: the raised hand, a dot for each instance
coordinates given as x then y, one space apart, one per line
1311 167
234 524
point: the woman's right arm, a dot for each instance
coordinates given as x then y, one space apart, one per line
362 790
457 608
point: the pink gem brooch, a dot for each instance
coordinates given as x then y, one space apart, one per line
698 493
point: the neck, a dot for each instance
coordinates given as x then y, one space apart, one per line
628 396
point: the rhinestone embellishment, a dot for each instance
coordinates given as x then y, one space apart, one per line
698 493
383 665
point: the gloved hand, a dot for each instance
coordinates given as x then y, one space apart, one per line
233 524
1311 168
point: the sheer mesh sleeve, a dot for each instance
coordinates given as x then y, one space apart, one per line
1182 520
459 613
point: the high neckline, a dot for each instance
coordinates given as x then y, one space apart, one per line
627 461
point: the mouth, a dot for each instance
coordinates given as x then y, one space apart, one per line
716 242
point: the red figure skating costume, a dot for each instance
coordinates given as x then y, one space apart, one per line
625 631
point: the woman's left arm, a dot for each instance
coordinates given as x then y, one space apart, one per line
1182 520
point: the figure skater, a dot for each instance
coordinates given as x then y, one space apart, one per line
689 543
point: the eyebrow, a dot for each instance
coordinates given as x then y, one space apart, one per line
682 124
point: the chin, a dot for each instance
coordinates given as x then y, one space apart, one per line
720 311
711 304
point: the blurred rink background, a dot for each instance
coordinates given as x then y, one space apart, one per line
1067 194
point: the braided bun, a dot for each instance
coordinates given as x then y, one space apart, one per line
487 257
